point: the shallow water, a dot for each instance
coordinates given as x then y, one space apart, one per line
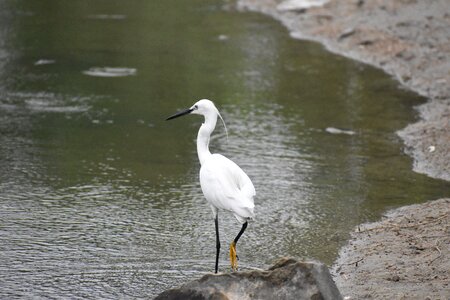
99 195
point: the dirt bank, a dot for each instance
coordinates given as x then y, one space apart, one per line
404 256
409 39
407 254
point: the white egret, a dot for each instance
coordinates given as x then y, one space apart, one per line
224 184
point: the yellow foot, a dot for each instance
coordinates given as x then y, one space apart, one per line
233 256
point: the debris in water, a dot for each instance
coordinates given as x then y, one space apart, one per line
110 72
222 37
333 130
44 62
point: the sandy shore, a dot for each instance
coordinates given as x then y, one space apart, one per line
407 254
404 256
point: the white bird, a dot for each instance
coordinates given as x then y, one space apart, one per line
224 184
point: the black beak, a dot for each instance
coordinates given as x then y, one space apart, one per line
180 113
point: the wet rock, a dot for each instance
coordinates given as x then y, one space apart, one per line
287 279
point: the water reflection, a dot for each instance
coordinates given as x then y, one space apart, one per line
100 197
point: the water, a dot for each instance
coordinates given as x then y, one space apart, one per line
99 195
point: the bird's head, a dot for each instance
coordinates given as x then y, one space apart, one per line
203 107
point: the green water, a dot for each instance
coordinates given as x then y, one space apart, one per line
99 196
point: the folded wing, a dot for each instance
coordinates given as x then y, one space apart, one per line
227 187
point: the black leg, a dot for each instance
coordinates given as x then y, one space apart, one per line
244 226
233 255
216 221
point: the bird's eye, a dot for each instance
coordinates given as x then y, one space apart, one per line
195 106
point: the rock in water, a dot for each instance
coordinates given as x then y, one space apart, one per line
287 279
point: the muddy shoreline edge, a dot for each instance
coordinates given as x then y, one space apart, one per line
406 255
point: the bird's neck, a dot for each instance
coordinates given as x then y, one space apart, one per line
203 137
